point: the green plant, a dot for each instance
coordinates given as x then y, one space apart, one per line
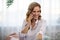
9 2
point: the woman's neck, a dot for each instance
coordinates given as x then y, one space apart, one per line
33 23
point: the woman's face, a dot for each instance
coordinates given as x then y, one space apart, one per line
36 12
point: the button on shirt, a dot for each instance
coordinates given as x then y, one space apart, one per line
40 27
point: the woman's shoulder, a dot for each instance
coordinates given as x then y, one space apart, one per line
42 20
24 21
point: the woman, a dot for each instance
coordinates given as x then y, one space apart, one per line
34 26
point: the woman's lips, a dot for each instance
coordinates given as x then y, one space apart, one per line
35 17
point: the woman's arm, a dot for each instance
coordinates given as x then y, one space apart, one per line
26 28
42 31
12 35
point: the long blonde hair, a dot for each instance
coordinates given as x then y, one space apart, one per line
30 9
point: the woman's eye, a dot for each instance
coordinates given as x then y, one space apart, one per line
38 11
34 11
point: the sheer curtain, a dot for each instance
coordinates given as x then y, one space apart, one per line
51 11
11 18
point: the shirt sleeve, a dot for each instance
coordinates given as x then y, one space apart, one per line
23 25
43 27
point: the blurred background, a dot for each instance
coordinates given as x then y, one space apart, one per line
13 12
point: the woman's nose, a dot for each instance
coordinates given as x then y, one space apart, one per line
36 13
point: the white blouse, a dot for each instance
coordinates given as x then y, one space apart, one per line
40 27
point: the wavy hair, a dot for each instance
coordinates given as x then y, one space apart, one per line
30 9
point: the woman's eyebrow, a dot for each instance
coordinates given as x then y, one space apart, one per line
37 11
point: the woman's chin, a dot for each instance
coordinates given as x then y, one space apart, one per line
36 17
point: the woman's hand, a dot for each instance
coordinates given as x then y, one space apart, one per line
12 35
39 37
27 27
30 18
